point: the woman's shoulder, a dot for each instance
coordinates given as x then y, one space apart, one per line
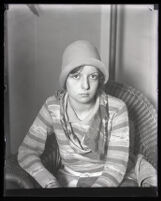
52 100
115 102
53 106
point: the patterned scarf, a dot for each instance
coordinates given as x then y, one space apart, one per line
96 139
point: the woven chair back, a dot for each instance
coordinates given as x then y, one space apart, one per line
143 120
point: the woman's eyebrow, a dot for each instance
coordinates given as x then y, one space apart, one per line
75 73
94 73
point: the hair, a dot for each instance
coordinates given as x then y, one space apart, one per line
101 76
76 70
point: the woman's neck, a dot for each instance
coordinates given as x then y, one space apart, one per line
80 108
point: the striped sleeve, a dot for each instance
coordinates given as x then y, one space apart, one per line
118 151
33 146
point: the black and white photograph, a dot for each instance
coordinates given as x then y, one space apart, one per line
81 99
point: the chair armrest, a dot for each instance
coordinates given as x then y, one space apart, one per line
15 177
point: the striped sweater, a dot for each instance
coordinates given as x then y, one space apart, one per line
78 169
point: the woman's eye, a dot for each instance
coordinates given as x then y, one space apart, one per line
76 76
94 76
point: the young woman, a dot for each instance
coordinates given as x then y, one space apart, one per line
91 127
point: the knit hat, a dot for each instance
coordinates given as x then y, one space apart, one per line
81 53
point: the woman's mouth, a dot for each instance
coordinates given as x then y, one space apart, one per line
84 94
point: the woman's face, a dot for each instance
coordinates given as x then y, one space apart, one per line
83 84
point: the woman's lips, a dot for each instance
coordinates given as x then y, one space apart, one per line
84 94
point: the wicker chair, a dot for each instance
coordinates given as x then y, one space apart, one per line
143 118
143 137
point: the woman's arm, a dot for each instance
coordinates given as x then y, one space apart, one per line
118 151
33 146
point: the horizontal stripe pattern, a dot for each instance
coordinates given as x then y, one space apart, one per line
26 146
109 172
35 138
25 156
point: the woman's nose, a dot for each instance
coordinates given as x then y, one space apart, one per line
85 83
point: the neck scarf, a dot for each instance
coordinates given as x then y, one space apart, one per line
96 138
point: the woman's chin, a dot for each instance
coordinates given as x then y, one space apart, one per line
85 100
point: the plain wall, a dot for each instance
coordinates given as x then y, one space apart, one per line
35 47
137 48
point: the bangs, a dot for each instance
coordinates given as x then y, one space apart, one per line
76 70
